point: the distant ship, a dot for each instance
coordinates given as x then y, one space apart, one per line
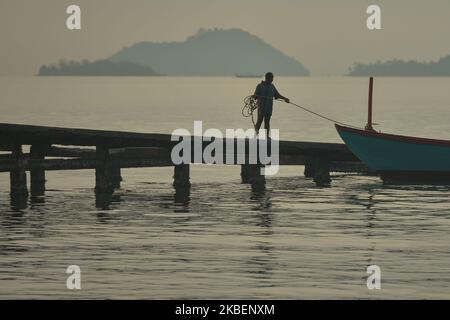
248 76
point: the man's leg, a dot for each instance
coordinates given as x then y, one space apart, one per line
259 121
267 125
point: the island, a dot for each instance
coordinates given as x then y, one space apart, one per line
400 68
96 68
213 52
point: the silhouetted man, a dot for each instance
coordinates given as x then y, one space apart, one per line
265 93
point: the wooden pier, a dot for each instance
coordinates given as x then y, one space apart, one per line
53 148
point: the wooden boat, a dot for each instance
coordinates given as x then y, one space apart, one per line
398 159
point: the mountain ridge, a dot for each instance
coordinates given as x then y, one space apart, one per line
212 52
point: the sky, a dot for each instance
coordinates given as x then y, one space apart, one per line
327 36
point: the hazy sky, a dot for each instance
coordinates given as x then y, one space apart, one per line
327 36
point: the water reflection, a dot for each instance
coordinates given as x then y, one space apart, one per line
104 217
13 219
371 230
262 264
261 196
236 240
37 201
182 198
103 200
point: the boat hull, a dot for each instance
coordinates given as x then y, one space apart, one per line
400 158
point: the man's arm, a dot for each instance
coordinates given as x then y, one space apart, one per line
277 95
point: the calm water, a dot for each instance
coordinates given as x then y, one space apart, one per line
223 239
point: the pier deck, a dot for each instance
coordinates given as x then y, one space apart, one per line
54 148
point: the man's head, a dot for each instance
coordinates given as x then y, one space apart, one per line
269 77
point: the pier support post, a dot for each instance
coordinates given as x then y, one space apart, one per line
245 173
37 176
309 168
103 172
322 171
251 173
18 178
116 177
181 177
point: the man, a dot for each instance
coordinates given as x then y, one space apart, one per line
265 93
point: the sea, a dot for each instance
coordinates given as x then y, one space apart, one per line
224 239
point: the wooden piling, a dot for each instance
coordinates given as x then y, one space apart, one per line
37 176
322 171
251 173
309 168
257 176
181 177
245 173
103 171
116 177
18 177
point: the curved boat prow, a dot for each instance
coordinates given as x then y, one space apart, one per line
400 159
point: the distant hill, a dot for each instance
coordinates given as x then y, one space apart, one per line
96 68
215 52
400 68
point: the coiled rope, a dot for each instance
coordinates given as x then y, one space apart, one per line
251 104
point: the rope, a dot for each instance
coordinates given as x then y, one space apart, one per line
251 104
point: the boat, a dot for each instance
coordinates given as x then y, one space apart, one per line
398 159
248 76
